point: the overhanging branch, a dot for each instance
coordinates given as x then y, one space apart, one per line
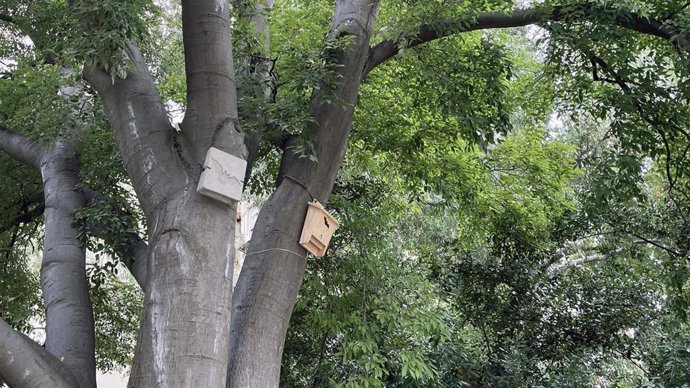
20 148
387 49
23 363
142 130
593 258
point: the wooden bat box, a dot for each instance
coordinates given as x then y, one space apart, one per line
223 176
318 229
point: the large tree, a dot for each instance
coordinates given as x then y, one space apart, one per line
194 330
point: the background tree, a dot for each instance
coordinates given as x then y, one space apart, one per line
297 99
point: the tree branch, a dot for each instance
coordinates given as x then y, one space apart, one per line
557 270
211 117
134 252
274 252
20 148
657 244
144 135
655 123
25 364
29 215
65 289
30 207
387 49
674 252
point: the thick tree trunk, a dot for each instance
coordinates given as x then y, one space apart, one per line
69 315
183 339
274 266
144 135
270 278
69 355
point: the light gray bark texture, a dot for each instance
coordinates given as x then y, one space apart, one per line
70 334
25 364
183 339
20 148
275 262
69 315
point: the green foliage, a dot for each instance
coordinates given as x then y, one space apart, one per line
99 153
19 297
94 33
166 61
513 212
103 30
104 218
19 200
117 309
425 321
285 78
32 103
469 99
368 316
398 17
303 64
484 258
666 353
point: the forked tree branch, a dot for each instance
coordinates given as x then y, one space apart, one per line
274 252
387 49
25 364
142 130
20 148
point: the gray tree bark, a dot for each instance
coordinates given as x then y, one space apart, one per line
274 265
69 315
183 338
25 364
